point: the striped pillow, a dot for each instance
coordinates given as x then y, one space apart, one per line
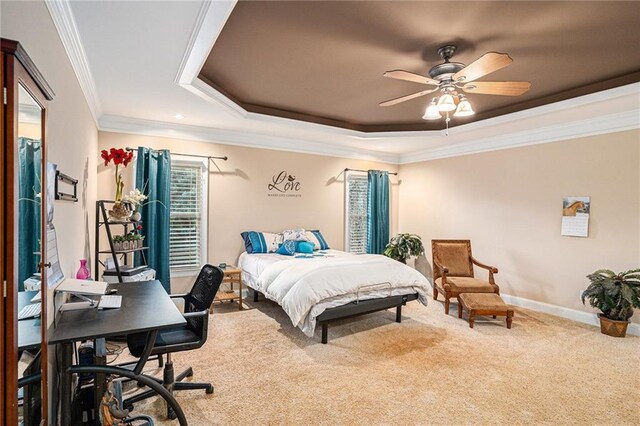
261 242
317 238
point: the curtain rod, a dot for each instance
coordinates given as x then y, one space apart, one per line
365 171
210 157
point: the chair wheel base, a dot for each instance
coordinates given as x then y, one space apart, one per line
209 390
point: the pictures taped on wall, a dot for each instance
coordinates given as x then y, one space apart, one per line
575 216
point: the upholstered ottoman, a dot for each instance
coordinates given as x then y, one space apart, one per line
484 304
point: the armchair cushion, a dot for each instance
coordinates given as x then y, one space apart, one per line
467 285
455 257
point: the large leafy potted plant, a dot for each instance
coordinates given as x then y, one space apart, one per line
616 295
403 246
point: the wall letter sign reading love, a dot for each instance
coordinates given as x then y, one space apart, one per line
284 184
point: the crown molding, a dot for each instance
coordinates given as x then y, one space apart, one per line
64 21
610 123
28 113
209 23
116 124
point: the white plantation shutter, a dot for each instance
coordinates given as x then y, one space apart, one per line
185 225
356 214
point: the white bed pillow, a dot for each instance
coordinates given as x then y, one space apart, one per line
298 234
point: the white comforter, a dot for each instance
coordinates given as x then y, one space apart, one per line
306 287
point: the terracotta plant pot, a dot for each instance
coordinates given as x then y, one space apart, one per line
612 328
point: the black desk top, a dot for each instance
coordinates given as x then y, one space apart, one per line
145 306
29 331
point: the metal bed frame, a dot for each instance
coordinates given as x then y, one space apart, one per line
358 307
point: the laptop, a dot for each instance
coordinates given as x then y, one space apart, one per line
73 285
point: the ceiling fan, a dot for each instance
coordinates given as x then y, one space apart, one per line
451 77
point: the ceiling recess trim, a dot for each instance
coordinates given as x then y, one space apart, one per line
611 123
463 140
210 22
136 126
64 21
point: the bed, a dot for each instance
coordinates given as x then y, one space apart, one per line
331 284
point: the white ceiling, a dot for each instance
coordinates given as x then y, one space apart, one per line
137 62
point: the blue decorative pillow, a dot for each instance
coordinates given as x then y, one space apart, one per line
304 247
247 242
288 248
317 238
260 242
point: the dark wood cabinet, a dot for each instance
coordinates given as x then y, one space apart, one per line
25 95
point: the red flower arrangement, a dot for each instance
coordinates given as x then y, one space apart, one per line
118 157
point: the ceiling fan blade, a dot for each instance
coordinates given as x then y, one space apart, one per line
503 88
406 98
409 76
486 64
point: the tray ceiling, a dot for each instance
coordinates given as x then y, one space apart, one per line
323 62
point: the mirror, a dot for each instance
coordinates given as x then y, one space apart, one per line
29 205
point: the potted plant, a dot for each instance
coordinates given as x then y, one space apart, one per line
117 242
120 210
616 295
403 246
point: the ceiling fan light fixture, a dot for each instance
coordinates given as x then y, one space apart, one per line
464 108
432 113
446 103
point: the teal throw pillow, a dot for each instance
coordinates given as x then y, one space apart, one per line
288 248
304 247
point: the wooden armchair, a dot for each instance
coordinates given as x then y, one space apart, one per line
453 271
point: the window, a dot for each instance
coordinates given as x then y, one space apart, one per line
356 213
188 218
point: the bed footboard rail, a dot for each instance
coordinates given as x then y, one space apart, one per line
362 307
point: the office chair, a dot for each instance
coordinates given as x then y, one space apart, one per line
182 338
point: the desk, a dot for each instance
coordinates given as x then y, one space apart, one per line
146 306
29 331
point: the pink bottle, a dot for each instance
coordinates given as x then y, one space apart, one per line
83 272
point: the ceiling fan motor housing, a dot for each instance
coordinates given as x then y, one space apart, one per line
445 71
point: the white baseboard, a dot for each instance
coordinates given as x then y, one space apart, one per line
560 311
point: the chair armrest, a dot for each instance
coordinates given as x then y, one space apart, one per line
205 322
492 270
196 314
180 295
482 265
444 269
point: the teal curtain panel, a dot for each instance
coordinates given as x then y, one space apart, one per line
378 211
153 178
29 201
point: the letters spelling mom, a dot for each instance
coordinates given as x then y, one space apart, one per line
284 185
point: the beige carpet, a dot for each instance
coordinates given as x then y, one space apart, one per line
431 369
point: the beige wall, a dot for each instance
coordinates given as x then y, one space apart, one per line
238 198
509 203
72 137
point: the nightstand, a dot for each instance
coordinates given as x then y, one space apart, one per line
232 275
